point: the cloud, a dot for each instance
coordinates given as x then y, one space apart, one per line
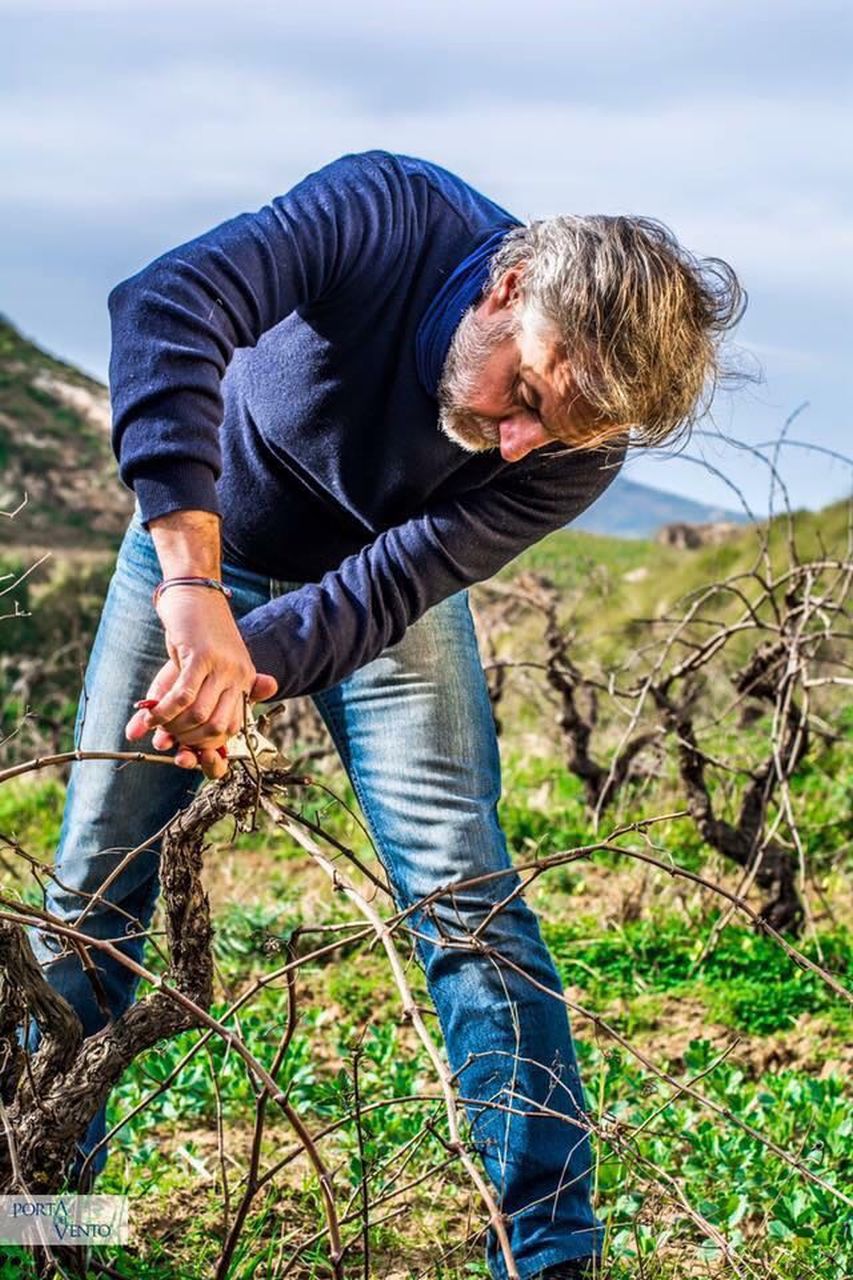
126 127
211 137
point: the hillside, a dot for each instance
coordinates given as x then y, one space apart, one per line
608 583
630 510
54 446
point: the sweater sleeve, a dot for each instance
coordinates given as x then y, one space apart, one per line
315 636
176 324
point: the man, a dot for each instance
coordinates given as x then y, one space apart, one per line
344 410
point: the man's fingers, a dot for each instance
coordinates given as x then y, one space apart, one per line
186 758
213 764
181 696
140 724
163 681
211 760
217 725
197 723
177 712
263 688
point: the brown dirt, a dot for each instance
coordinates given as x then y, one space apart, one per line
680 1020
434 1212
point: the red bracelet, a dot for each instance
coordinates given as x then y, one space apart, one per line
213 583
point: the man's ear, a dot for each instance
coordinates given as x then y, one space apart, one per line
507 290
510 284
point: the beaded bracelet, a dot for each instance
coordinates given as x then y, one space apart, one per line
213 583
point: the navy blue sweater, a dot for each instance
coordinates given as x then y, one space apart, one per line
266 371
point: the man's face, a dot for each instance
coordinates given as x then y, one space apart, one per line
507 385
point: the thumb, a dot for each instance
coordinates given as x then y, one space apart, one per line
263 688
139 723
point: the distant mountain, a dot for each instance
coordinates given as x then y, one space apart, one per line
54 446
630 510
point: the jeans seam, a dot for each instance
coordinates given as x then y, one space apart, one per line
338 735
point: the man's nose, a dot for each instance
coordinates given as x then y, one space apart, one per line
520 436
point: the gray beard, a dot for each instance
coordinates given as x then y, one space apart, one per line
470 348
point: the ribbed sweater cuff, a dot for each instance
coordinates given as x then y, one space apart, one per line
175 486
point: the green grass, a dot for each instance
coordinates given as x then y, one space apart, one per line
31 813
746 982
763 1207
747 1193
642 970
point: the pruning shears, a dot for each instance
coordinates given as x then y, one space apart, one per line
250 744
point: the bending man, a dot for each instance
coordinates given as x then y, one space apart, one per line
345 409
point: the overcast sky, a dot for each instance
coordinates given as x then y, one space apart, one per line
128 127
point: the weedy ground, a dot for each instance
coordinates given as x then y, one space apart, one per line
767 1044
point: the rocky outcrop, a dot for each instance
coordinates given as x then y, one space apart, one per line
687 537
57 470
92 403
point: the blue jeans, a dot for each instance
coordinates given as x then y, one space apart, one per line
415 733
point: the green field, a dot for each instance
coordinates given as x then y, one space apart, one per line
674 994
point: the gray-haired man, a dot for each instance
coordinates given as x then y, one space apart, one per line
345 409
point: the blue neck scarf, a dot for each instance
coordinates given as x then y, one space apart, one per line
441 318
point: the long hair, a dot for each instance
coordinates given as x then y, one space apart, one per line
641 319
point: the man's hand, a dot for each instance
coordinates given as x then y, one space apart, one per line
199 693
